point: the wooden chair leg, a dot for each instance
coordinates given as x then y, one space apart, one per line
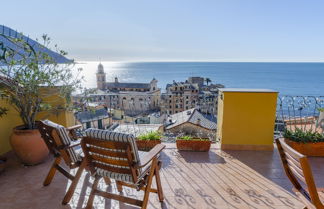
52 171
107 180
149 183
74 183
92 194
158 183
119 186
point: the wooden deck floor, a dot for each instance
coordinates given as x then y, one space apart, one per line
217 179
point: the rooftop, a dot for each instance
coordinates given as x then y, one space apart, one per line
191 116
88 116
217 179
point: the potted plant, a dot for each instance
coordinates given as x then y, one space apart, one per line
148 140
192 143
309 143
28 74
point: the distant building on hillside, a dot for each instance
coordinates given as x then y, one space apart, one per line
133 98
192 93
179 96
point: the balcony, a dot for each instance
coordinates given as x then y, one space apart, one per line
217 179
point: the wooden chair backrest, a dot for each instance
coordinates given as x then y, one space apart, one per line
117 157
297 168
54 142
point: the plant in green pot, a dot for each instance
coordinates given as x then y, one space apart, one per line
306 142
29 78
147 141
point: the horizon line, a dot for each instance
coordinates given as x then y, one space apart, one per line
211 61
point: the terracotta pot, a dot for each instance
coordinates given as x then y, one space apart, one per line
28 146
145 145
193 145
308 149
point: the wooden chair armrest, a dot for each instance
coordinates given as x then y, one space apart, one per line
150 155
73 144
72 132
74 127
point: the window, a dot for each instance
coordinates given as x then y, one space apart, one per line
88 125
100 124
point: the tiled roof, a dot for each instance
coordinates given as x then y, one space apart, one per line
88 116
128 85
192 116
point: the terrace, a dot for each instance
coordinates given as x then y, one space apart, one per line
217 179
241 170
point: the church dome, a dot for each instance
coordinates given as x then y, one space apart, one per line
100 68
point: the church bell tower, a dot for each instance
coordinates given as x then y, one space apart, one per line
101 77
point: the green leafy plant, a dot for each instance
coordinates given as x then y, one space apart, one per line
25 73
301 136
191 138
321 109
152 135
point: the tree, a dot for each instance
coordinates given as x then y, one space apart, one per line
208 80
24 72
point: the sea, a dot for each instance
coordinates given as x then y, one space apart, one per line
302 79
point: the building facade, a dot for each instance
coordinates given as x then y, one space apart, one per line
192 93
133 98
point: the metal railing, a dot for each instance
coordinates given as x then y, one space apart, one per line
298 112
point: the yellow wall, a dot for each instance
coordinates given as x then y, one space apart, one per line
246 119
12 119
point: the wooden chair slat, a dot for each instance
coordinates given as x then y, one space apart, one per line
293 160
109 161
293 153
112 169
106 144
299 170
107 152
296 173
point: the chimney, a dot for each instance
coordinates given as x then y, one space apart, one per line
116 80
198 121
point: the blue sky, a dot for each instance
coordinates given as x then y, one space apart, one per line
144 30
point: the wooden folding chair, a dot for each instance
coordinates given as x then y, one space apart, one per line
63 144
115 156
297 168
